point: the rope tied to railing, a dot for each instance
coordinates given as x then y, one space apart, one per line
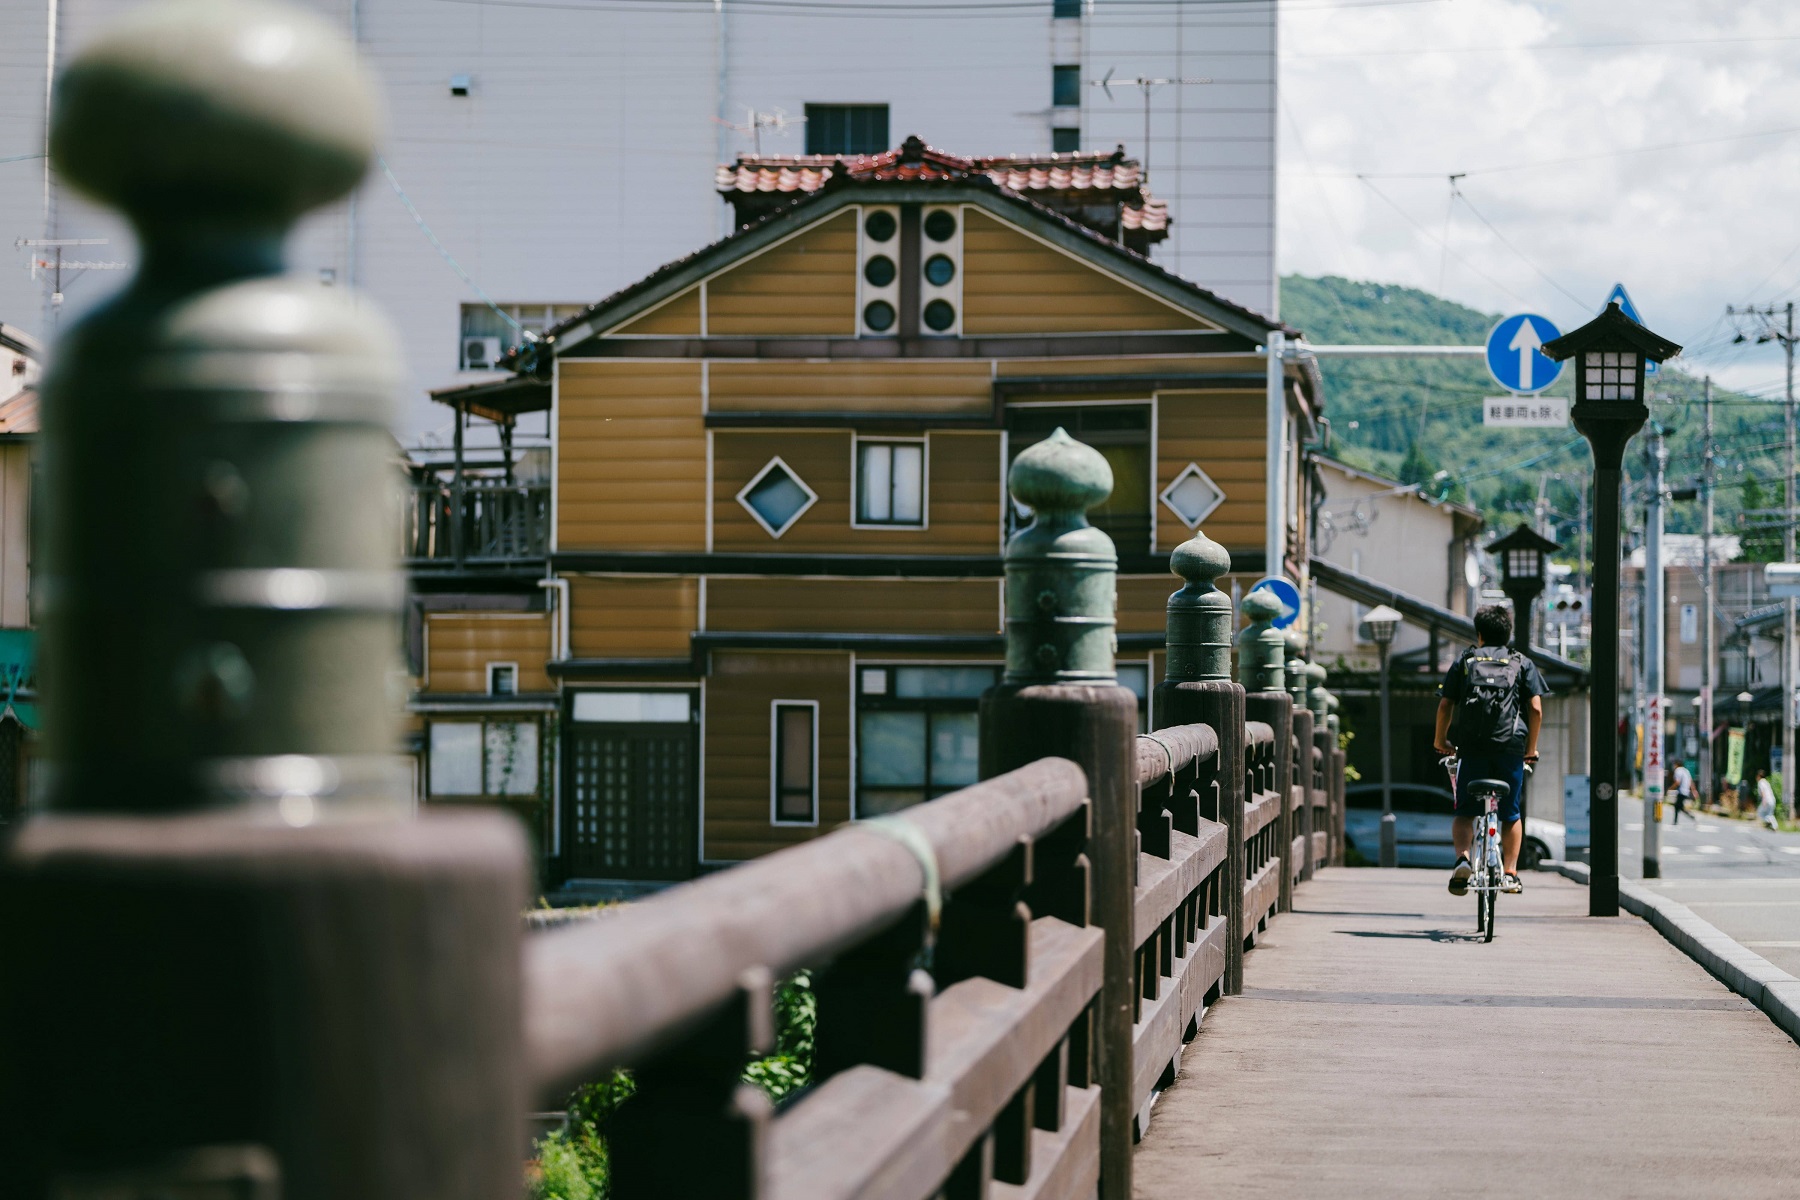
1168 750
899 829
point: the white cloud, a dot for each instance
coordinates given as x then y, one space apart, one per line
1535 100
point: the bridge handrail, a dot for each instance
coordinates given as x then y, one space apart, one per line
610 993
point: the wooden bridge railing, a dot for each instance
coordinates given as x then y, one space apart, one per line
232 913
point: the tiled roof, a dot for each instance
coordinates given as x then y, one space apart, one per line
19 412
1079 176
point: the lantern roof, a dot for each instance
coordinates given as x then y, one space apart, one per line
1611 330
1524 538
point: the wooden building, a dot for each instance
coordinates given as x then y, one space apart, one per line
769 590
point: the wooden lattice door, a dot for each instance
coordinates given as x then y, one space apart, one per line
632 803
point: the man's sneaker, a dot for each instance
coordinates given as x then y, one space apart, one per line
1459 878
1512 885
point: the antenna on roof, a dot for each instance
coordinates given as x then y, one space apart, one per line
755 122
1146 86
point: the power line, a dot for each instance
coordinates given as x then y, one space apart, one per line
1570 158
1530 47
443 250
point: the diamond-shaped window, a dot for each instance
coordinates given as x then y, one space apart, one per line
777 497
1193 496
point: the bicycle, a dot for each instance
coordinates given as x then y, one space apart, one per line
1484 855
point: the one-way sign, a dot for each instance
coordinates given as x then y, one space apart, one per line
1514 355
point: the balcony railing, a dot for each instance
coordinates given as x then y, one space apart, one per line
500 522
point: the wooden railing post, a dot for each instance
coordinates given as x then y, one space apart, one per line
1197 689
1335 781
1061 697
1262 654
229 912
1300 725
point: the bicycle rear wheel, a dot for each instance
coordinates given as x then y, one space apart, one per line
1488 900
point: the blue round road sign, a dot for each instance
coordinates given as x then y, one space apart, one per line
1287 593
1513 356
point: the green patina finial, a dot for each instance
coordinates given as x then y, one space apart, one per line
1296 666
1262 648
218 434
1061 572
1332 720
1315 693
1199 637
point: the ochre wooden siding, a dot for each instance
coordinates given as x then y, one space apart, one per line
15 535
459 646
1144 601
626 617
1247 365
1013 283
738 695
962 498
631 458
961 388
805 285
854 605
677 316
1223 433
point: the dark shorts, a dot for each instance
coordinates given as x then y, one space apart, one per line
1507 768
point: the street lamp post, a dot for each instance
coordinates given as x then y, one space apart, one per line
1522 576
1610 353
1743 699
1382 623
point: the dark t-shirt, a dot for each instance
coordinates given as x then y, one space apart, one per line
1455 689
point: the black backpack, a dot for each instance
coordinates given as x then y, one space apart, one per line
1489 711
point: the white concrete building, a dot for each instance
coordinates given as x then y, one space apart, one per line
558 149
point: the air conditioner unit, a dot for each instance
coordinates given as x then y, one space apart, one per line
480 353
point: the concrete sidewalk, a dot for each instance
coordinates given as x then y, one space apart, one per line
1375 1035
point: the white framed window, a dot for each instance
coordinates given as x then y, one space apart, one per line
891 480
776 497
1193 496
503 679
485 334
917 732
482 757
794 762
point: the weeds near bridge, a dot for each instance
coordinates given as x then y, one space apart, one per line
571 1163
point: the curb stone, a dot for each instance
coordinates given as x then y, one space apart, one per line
1744 971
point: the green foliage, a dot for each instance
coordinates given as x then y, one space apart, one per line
595 1103
789 1069
570 1165
1345 737
1386 411
1761 545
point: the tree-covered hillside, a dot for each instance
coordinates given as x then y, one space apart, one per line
1419 419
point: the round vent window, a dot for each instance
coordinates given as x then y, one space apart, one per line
940 226
879 271
939 316
879 315
939 270
880 225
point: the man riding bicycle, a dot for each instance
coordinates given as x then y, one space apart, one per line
1489 713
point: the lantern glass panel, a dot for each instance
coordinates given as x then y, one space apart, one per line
1609 375
1522 564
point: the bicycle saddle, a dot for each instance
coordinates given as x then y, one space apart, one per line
1494 785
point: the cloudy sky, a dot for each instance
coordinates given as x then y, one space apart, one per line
1655 142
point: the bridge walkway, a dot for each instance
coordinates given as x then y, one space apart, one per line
1375 1034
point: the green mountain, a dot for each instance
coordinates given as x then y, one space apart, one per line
1419 420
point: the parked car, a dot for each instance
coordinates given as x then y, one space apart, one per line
1422 817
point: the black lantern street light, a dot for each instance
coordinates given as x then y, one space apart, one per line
1609 352
1522 576
1381 624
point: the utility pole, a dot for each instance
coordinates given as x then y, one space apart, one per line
1790 652
1653 655
1708 675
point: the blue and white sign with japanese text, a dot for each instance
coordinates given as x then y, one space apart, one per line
1514 355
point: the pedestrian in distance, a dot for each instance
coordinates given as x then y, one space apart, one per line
1684 792
1765 800
1489 712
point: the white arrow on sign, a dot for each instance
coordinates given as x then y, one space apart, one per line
1527 342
